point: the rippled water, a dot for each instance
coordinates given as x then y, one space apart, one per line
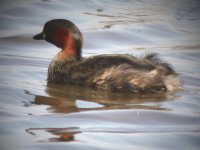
36 116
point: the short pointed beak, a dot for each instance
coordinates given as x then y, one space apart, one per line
40 36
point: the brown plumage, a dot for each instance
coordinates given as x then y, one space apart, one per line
109 72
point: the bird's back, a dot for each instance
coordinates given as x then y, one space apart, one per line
116 72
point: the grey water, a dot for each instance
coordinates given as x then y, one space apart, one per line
36 116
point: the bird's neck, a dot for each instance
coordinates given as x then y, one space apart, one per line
66 55
68 52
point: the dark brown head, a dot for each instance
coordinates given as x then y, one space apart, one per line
62 33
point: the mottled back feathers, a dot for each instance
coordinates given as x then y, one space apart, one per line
114 72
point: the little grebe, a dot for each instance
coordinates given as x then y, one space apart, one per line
110 72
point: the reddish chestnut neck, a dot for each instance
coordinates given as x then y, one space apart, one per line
64 39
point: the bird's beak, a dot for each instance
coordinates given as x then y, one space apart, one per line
40 36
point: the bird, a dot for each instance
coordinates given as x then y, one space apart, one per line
110 72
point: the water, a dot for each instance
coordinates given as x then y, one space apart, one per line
36 116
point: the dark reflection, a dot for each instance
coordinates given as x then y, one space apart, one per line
66 99
46 0
63 135
60 134
100 10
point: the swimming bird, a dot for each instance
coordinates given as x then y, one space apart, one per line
123 73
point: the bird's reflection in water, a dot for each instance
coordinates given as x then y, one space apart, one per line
64 99
68 99
58 134
62 135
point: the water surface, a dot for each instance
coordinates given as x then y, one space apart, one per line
36 116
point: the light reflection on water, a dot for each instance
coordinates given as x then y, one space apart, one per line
36 116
